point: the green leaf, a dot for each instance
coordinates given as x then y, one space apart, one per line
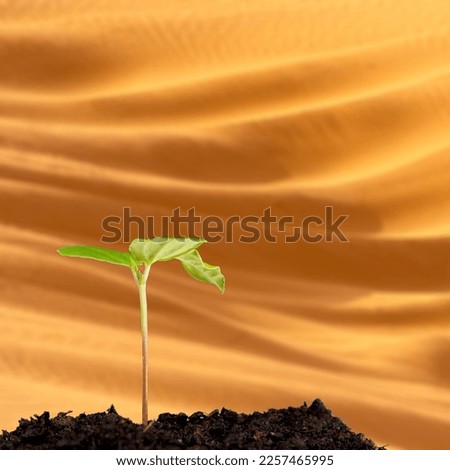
99 254
198 269
150 250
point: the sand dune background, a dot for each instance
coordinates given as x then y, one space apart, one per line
230 107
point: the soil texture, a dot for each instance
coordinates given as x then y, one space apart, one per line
305 428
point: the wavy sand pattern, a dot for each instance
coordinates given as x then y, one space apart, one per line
230 107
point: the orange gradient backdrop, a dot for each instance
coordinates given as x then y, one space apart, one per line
230 107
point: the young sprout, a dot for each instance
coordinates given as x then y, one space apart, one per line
142 255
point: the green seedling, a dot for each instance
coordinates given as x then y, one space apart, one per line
141 257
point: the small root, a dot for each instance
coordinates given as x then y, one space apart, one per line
149 425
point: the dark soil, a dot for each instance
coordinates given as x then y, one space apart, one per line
311 428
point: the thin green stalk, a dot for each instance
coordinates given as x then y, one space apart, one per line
142 285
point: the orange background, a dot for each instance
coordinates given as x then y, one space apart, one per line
231 107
